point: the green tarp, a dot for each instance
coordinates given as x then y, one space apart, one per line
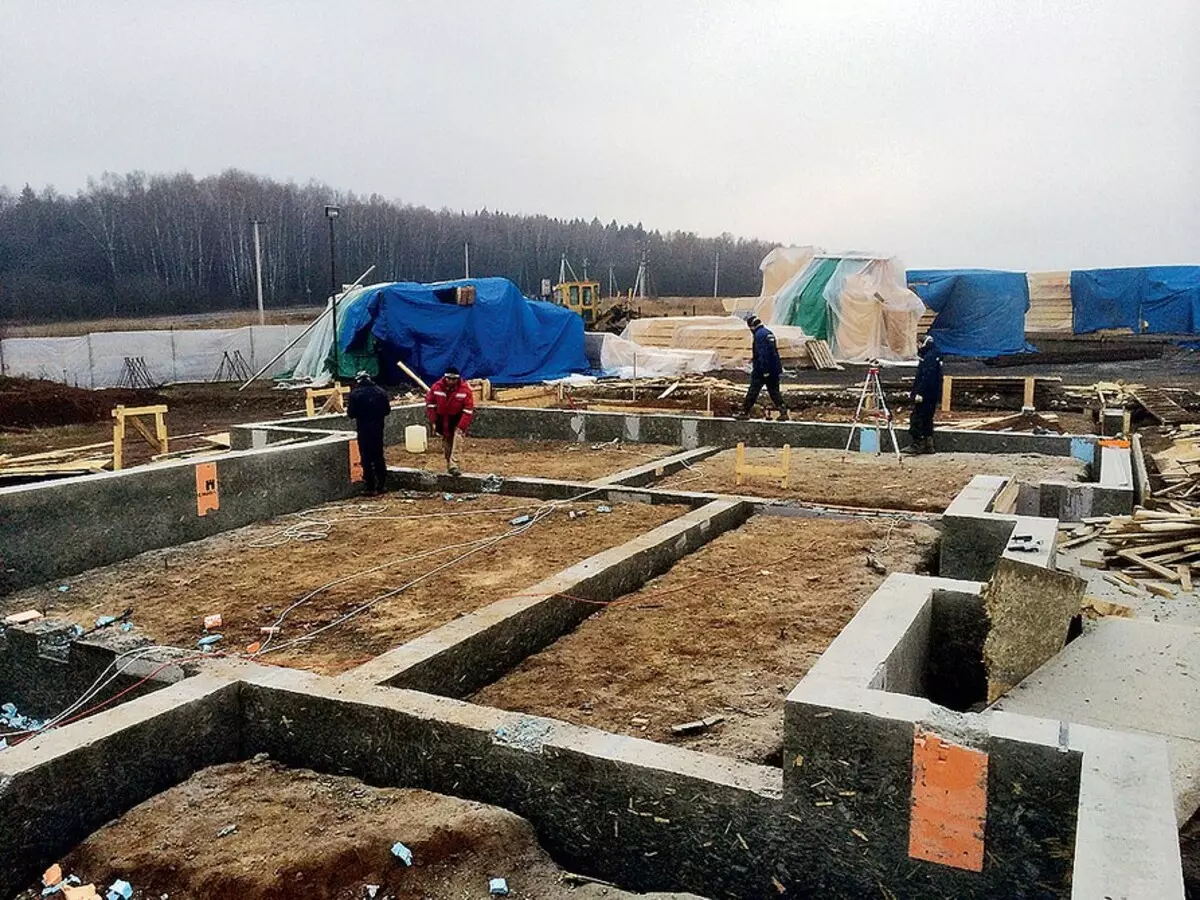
808 308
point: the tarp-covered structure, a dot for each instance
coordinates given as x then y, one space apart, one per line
501 335
1147 300
858 302
979 312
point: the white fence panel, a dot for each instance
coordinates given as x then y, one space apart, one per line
55 359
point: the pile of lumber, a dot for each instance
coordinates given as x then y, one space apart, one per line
1154 549
56 463
1179 468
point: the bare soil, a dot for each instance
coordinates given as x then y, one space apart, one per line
38 415
921 483
565 460
728 631
251 575
300 834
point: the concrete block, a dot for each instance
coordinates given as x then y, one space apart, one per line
1029 609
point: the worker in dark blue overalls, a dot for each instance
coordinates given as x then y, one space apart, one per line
368 405
765 369
926 395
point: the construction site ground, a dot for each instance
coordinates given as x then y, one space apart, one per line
728 631
565 460
36 416
250 576
866 480
259 831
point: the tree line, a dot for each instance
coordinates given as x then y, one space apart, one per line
141 245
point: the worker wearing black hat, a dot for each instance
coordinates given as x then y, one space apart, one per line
926 394
368 405
765 370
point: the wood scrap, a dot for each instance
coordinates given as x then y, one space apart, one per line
1150 544
698 725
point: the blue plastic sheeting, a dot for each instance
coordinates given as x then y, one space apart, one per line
502 335
980 312
1154 300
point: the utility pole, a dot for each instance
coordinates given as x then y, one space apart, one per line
585 278
717 271
331 213
612 282
466 260
262 318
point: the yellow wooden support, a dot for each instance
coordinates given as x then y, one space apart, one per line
741 468
947 388
333 398
130 415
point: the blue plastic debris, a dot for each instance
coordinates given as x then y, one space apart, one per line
76 630
447 497
105 620
119 890
498 887
63 588
519 520
209 639
603 508
126 627
402 853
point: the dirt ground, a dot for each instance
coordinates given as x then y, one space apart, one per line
299 834
728 631
566 460
923 483
251 575
42 415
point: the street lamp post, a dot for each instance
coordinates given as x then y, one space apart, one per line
331 213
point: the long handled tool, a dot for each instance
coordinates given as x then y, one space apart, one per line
872 401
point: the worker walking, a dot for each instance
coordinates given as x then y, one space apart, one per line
765 369
369 405
450 407
926 395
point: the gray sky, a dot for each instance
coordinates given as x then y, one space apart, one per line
1009 134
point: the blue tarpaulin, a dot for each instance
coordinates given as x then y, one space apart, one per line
502 336
980 312
1153 299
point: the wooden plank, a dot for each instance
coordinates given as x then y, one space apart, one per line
1161 571
138 410
947 390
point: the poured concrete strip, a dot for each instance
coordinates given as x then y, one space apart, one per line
538 488
1125 845
59 787
641 814
112 516
1130 675
650 472
474 650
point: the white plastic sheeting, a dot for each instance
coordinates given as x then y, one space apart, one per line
97 360
726 336
625 359
872 313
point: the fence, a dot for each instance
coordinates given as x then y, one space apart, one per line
97 360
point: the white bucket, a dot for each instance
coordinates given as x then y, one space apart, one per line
416 439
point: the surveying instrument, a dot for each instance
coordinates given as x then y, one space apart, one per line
872 404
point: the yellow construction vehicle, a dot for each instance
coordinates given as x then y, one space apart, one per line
579 297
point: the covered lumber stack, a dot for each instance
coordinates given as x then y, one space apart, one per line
1049 303
727 336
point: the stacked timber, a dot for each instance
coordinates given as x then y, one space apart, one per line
1179 469
1049 303
1154 549
56 463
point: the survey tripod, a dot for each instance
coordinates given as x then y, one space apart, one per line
872 401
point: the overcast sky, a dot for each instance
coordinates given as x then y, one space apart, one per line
967 133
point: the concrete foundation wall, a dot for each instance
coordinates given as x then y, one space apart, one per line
691 432
474 650
56 789
51 529
43 669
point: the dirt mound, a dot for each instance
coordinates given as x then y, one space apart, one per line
32 403
320 837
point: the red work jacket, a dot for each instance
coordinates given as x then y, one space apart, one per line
442 404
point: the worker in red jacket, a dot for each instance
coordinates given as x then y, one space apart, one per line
450 406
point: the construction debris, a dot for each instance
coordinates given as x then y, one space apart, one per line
697 726
1151 544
